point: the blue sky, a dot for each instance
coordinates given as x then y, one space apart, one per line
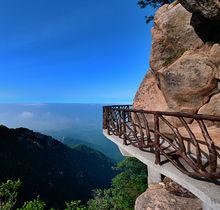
90 51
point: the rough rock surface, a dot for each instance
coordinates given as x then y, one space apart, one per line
212 107
176 189
215 57
186 71
188 83
170 35
161 199
149 91
205 18
210 9
184 77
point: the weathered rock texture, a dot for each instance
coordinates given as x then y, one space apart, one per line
205 18
158 198
188 83
209 9
170 35
149 91
185 71
184 77
176 189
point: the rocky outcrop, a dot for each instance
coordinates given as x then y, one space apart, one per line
176 189
170 35
189 82
185 71
209 9
215 58
205 18
149 91
212 107
184 77
159 198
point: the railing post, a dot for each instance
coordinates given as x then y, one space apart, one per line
120 124
108 120
124 127
157 139
105 118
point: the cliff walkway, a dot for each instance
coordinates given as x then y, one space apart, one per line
190 142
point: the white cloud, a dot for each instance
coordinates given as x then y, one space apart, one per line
34 104
27 115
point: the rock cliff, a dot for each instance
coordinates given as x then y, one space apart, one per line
158 198
185 69
205 18
184 76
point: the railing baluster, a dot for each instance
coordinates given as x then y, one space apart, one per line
211 147
124 128
146 125
134 128
195 142
157 139
141 141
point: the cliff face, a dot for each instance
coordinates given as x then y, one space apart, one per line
185 70
184 77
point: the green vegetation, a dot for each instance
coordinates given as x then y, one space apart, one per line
126 186
8 194
75 205
36 204
48 168
153 4
173 57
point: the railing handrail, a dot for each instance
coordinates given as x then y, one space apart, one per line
148 130
171 114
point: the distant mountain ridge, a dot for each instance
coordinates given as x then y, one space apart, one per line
96 140
51 169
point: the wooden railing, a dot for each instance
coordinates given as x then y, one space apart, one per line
189 141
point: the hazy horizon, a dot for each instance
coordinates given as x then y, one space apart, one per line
71 123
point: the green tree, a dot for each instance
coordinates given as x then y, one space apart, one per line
36 204
129 184
153 4
126 187
102 200
75 205
8 197
8 194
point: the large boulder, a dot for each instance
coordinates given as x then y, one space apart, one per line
159 198
149 96
215 58
209 9
212 107
188 83
205 18
185 72
170 35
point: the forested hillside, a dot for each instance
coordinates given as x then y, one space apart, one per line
48 168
